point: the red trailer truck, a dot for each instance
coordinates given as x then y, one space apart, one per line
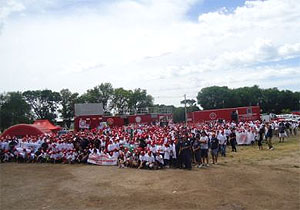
249 113
93 121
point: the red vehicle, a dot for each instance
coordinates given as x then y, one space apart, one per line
249 113
94 121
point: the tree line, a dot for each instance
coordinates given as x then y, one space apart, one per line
270 100
25 107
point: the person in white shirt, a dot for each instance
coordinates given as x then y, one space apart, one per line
222 142
159 160
142 160
204 149
173 157
167 150
150 160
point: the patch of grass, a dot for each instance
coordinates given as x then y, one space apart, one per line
251 154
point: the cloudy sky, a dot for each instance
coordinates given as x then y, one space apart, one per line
168 47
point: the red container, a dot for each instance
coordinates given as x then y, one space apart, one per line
249 113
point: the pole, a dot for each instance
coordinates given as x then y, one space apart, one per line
185 113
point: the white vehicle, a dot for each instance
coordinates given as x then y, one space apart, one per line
268 117
289 117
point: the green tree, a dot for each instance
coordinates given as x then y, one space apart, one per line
288 100
270 100
179 115
100 94
247 96
139 99
13 110
216 97
44 103
120 99
68 99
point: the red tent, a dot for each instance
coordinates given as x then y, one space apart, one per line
48 125
21 130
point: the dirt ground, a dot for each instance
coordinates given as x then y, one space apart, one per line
248 179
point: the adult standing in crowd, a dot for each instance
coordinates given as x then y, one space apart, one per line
196 150
222 142
233 142
214 142
186 153
261 133
282 132
204 149
269 136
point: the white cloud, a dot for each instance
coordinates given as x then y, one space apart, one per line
8 7
148 44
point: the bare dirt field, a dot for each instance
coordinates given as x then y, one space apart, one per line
248 179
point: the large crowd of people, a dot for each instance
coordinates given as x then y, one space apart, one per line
145 146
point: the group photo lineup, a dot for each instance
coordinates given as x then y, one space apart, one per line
149 104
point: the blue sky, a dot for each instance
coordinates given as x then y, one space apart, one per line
168 47
200 7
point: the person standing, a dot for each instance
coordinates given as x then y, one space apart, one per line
281 132
222 142
173 155
261 133
186 153
214 148
196 150
232 138
269 136
167 153
204 149
179 152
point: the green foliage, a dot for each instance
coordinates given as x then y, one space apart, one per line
17 107
99 94
120 100
44 103
285 111
179 115
271 100
179 112
216 97
247 96
139 99
68 99
13 110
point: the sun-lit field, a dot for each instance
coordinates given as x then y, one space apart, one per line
248 179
